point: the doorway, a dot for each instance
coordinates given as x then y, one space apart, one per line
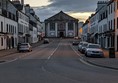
61 34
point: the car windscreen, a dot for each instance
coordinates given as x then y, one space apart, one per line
24 44
93 46
85 45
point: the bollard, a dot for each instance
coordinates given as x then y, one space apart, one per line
111 52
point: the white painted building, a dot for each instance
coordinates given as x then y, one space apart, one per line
8 33
23 27
94 28
113 23
23 22
34 24
80 25
61 25
115 2
2 35
39 30
34 35
86 31
103 26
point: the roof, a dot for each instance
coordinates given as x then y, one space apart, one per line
61 16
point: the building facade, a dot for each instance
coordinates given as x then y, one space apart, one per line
86 31
107 12
17 25
9 27
61 25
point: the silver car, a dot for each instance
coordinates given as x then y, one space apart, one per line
94 50
80 45
84 46
25 47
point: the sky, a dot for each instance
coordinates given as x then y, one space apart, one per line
80 9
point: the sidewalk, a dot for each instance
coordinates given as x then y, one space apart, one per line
106 53
111 63
14 50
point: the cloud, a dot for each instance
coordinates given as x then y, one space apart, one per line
68 6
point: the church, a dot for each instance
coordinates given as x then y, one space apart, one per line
61 25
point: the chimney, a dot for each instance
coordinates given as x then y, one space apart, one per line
22 2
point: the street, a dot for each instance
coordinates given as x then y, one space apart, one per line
56 62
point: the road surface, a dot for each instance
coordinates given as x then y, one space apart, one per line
57 62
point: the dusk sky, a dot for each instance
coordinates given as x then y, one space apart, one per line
80 9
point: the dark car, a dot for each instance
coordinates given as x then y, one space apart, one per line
18 46
75 42
46 41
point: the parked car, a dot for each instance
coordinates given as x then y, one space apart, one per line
18 46
46 41
25 47
76 37
84 46
80 46
94 50
75 42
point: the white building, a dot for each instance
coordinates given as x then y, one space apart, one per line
103 25
94 28
8 29
80 25
113 23
34 24
23 22
61 25
86 31
23 27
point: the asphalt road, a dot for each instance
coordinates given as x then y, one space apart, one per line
56 62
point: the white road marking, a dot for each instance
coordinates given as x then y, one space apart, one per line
82 58
76 52
9 61
53 52
83 61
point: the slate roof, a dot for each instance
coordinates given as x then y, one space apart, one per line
61 16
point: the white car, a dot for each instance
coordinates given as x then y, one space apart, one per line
25 47
94 50
84 46
80 45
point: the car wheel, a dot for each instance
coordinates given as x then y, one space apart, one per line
86 54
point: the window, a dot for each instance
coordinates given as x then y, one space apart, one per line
1 26
111 24
111 8
7 27
117 22
0 4
114 25
52 26
15 29
70 26
1 41
117 4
